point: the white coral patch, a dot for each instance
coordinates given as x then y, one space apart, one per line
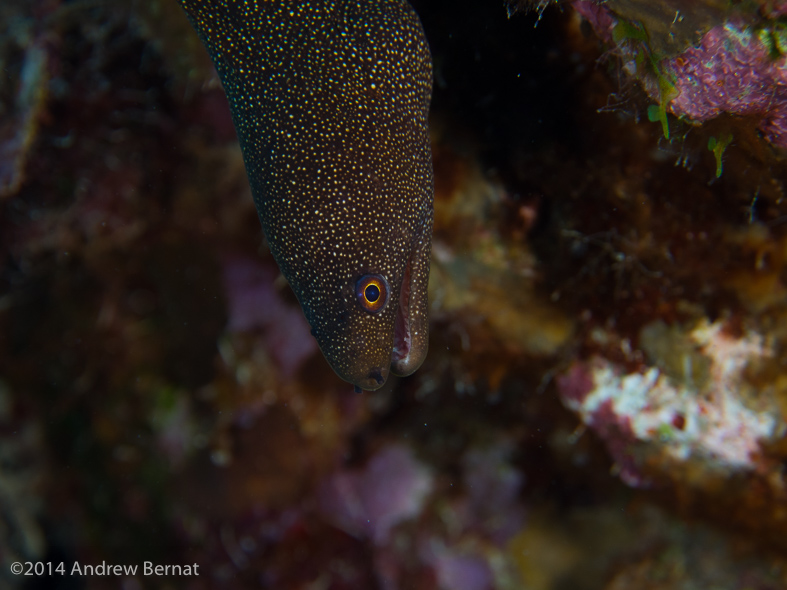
712 423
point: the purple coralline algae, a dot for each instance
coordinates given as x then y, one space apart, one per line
458 550
737 67
462 572
493 488
370 503
255 304
731 71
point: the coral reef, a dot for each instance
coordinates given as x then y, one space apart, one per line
603 404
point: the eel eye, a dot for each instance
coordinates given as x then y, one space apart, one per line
372 292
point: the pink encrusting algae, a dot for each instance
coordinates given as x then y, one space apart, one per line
369 503
737 67
255 304
732 71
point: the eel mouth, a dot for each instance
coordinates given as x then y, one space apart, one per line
403 343
403 339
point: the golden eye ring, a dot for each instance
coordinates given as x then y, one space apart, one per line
372 292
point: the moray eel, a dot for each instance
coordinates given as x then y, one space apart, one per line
330 101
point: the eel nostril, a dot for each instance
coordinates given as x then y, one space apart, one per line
377 375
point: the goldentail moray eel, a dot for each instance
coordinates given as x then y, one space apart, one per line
330 101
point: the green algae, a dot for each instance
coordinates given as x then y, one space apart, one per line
645 57
717 146
773 36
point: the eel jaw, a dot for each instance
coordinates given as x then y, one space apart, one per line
403 338
411 324
401 359
410 331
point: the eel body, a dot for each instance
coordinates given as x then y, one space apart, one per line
330 101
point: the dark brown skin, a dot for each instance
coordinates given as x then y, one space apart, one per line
330 102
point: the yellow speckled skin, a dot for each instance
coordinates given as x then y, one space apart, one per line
330 102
